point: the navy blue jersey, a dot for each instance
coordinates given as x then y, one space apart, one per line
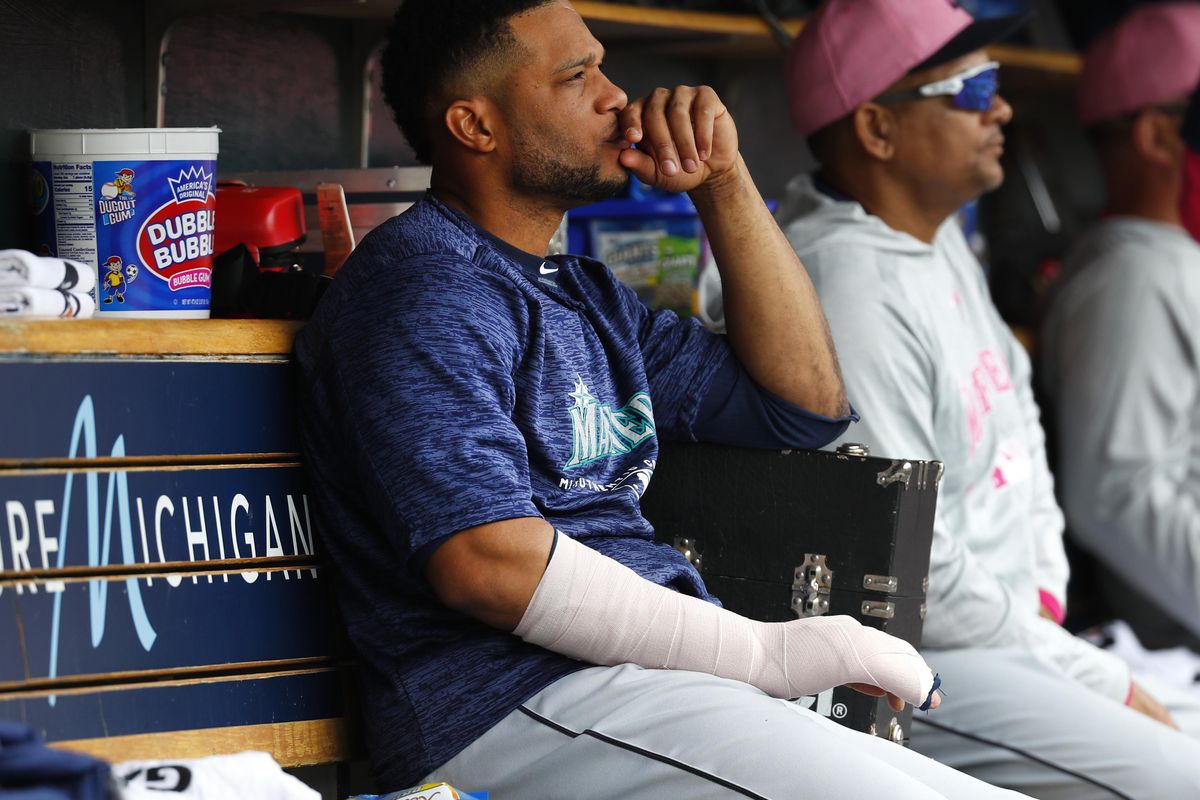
442 386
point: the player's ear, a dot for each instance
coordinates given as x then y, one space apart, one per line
875 128
472 123
1156 138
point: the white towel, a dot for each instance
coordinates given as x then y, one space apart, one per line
248 775
22 268
22 301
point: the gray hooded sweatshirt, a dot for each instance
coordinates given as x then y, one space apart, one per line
936 374
1121 357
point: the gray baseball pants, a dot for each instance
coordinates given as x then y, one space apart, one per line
1012 722
628 733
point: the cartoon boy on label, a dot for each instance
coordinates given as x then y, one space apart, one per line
121 187
117 279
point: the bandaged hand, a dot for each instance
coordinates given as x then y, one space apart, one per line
592 608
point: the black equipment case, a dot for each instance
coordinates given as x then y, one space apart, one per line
781 534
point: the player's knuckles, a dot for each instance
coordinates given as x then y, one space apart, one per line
680 110
658 98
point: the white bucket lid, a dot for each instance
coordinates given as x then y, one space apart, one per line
124 142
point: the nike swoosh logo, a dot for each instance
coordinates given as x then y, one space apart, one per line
544 270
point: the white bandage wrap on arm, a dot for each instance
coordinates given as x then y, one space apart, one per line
592 608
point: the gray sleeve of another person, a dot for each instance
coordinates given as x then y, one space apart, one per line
1121 367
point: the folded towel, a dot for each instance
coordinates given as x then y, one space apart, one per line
84 304
21 301
22 268
249 775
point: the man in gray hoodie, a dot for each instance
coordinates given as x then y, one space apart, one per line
899 102
1121 341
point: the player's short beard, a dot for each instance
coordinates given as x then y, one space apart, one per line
540 174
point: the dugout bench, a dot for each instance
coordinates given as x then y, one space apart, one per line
161 593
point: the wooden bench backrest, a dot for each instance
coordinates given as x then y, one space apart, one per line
159 589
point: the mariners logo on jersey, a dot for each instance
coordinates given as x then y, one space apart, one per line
600 431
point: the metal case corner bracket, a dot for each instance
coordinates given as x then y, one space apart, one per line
898 472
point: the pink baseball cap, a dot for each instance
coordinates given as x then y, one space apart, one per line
851 50
1151 56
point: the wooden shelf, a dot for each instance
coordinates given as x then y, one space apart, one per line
640 19
746 34
1030 70
701 33
148 337
695 33
621 27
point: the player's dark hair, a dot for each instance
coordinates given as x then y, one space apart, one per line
431 44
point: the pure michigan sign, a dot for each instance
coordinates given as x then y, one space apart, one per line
177 484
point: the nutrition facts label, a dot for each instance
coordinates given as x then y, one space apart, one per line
74 216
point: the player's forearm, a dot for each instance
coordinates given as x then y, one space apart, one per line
773 317
490 572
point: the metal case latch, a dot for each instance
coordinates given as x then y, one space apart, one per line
878 608
881 583
690 551
810 586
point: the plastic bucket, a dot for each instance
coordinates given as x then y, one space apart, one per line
139 205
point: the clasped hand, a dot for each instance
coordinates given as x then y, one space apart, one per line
684 138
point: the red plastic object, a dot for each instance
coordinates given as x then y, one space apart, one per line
267 219
1189 205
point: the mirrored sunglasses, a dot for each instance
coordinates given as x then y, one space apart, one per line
972 89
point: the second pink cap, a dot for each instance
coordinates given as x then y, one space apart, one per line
1152 56
851 50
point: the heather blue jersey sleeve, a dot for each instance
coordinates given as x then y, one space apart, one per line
737 411
694 400
426 376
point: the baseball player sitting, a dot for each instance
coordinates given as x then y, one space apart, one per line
480 422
